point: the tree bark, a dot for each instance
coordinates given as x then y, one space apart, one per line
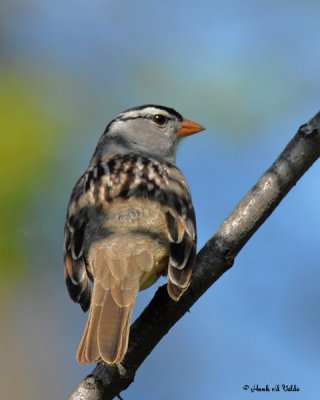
216 257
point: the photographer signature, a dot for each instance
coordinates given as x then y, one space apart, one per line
275 388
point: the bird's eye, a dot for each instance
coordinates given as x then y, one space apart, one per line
160 119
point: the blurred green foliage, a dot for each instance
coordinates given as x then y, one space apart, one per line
26 150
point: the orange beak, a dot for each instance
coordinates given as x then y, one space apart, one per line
189 128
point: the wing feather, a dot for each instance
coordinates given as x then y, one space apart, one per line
75 271
182 236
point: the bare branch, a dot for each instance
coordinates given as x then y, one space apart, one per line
216 257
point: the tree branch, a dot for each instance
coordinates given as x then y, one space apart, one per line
216 257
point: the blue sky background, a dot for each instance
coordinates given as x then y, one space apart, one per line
250 72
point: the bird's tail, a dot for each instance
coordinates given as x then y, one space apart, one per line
107 332
117 267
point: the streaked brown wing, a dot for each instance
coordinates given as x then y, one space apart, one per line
75 272
182 236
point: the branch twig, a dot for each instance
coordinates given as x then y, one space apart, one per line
216 257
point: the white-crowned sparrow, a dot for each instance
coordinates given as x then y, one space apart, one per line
130 219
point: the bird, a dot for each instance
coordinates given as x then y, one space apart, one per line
130 220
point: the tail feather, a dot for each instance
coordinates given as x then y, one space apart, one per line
113 338
107 332
88 349
117 267
90 339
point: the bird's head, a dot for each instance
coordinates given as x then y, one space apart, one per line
149 130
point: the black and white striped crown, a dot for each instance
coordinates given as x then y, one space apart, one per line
145 111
